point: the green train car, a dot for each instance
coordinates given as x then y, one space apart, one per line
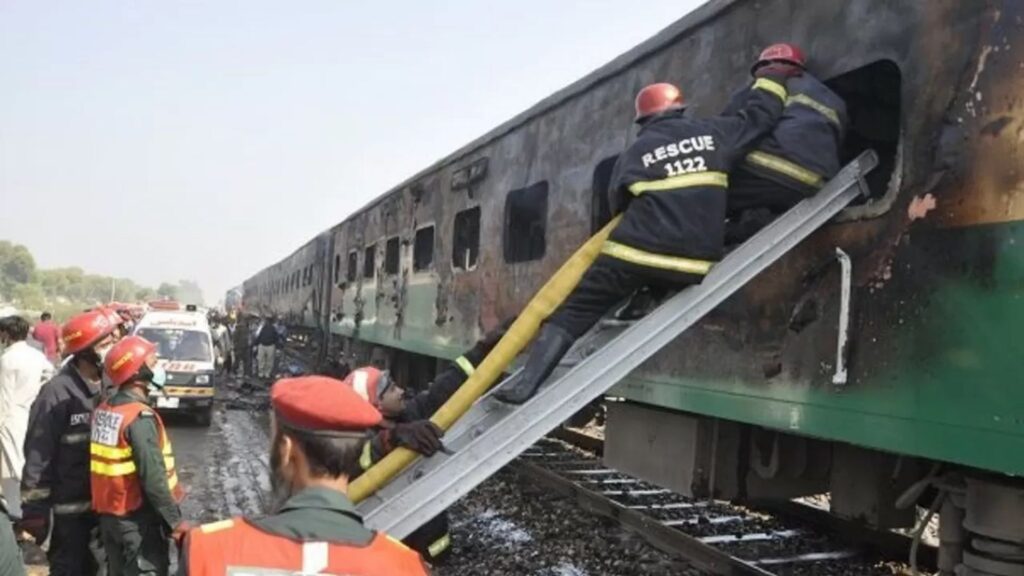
745 405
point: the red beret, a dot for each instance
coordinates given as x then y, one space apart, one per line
321 404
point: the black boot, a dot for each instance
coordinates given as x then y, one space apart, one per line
552 343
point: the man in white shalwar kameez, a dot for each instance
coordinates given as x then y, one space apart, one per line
23 371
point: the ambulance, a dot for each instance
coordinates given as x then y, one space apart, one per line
185 351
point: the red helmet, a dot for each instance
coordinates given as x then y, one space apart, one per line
126 358
782 52
85 330
657 98
369 383
113 316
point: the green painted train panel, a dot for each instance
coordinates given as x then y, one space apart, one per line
942 378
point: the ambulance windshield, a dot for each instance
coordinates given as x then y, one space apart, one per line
179 345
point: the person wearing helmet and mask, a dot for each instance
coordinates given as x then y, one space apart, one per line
135 488
670 186
799 155
407 424
56 474
318 425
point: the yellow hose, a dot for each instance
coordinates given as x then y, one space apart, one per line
511 344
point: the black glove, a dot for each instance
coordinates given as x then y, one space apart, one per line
421 436
778 69
36 526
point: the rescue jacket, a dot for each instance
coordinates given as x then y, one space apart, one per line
671 183
56 473
802 151
316 532
130 464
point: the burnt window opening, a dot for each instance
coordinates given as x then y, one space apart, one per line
600 208
369 261
337 267
391 256
423 249
466 239
526 216
872 94
353 266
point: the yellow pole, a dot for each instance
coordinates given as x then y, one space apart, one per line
511 344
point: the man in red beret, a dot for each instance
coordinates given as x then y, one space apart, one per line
319 427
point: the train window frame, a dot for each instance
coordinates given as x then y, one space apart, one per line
601 179
392 256
465 221
890 168
418 264
370 261
352 266
526 210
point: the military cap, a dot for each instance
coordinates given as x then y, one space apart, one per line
321 405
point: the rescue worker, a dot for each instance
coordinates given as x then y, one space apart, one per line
407 424
799 155
135 489
670 186
319 427
56 474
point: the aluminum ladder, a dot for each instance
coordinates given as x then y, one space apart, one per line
492 433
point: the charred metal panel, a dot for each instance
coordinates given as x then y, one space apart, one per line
938 268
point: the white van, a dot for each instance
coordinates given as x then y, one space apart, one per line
185 351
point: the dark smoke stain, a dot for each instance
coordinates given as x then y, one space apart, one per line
996 126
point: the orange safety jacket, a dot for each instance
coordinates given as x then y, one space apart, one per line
116 488
233 545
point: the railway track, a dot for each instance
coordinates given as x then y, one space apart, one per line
719 537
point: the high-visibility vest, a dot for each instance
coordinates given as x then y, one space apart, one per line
231 546
115 482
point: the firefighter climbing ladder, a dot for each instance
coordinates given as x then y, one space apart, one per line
491 434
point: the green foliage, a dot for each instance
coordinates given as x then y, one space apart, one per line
66 291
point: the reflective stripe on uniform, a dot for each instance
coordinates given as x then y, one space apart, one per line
110 452
72 507
465 365
783 166
677 263
77 438
813 104
439 545
172 481
35 494
681 181
366 458
216 526
771 86
107 469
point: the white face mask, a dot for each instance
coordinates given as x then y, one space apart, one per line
102 353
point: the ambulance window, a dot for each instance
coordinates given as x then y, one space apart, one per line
337 267
369 261
466 239
526 216
423 249
391 252
600 210
872 94
353 265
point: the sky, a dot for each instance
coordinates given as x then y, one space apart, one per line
206 140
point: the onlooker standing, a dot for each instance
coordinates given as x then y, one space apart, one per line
47 333
266 345
23 371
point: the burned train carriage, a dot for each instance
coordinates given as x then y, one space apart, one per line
744 405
